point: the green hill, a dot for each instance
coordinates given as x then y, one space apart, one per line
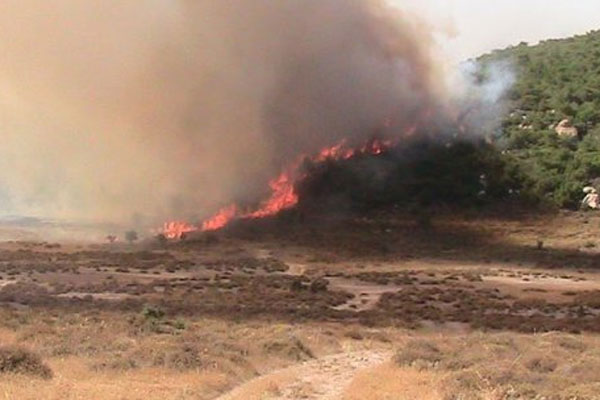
556 80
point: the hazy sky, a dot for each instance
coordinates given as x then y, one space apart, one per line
480 26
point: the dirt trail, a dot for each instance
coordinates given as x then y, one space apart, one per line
366 295
324 378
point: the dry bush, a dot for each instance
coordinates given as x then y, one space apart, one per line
116 363
74 335
182 358
290 348
15 360
551 366
171 352
541 364
319 285
571 343
354 334
419 353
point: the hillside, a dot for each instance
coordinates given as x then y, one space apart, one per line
557 80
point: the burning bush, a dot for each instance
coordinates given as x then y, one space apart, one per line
413 173
420 173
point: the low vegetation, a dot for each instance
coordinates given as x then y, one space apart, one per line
415 174
17 360
503 366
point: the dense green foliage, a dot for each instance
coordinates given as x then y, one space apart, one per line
526 158
417 173
555 80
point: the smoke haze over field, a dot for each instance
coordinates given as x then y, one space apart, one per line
117 109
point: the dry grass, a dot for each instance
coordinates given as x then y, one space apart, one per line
104 355
506 366
74 381
101 355
16 360
223 315
419 353
391 382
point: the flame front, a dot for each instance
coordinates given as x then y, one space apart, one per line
283 197
176 229
283 194
221 219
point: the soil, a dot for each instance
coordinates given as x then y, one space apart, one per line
324 378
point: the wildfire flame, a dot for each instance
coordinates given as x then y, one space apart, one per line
283 194
176 229
220 219
283 197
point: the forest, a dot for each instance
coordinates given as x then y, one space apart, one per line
556 80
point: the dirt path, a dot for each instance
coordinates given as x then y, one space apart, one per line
324 378
366 295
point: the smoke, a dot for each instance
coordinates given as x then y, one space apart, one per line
480 92
143 110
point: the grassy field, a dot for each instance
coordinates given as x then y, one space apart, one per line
385 307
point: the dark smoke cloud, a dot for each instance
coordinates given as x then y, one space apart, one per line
155 109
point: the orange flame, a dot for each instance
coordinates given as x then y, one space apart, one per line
283 194
221 219
176 229
283 197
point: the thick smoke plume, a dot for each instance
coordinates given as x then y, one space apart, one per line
143 110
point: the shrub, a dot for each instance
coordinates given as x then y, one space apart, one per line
319 285
180 324
417 173
162 239
131 236
15 360
288 347
151 312
186 357
419 353
541 364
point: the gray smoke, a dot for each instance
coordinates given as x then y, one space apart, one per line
481 94
160 109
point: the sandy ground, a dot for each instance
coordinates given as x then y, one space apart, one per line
324 378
